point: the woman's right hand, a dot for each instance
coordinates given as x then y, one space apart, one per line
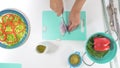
57 6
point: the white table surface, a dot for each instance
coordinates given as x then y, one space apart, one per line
27 55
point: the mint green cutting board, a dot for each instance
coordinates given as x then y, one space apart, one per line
51 27
10 65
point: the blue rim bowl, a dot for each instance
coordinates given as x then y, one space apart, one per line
73 66
111 53
12 11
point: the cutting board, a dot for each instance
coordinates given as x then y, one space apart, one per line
51 27
10 65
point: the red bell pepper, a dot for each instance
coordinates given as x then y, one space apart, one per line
101 44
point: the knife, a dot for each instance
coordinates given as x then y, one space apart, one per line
63 26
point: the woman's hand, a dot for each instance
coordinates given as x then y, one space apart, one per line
74 17
74 20
57 6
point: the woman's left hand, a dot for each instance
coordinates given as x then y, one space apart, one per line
74 20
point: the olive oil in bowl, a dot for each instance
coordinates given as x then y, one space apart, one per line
41 48
75 60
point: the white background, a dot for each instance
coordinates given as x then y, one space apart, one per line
27 55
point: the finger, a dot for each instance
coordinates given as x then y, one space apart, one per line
70 27
73 28
59 12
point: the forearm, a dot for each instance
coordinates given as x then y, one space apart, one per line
78 5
